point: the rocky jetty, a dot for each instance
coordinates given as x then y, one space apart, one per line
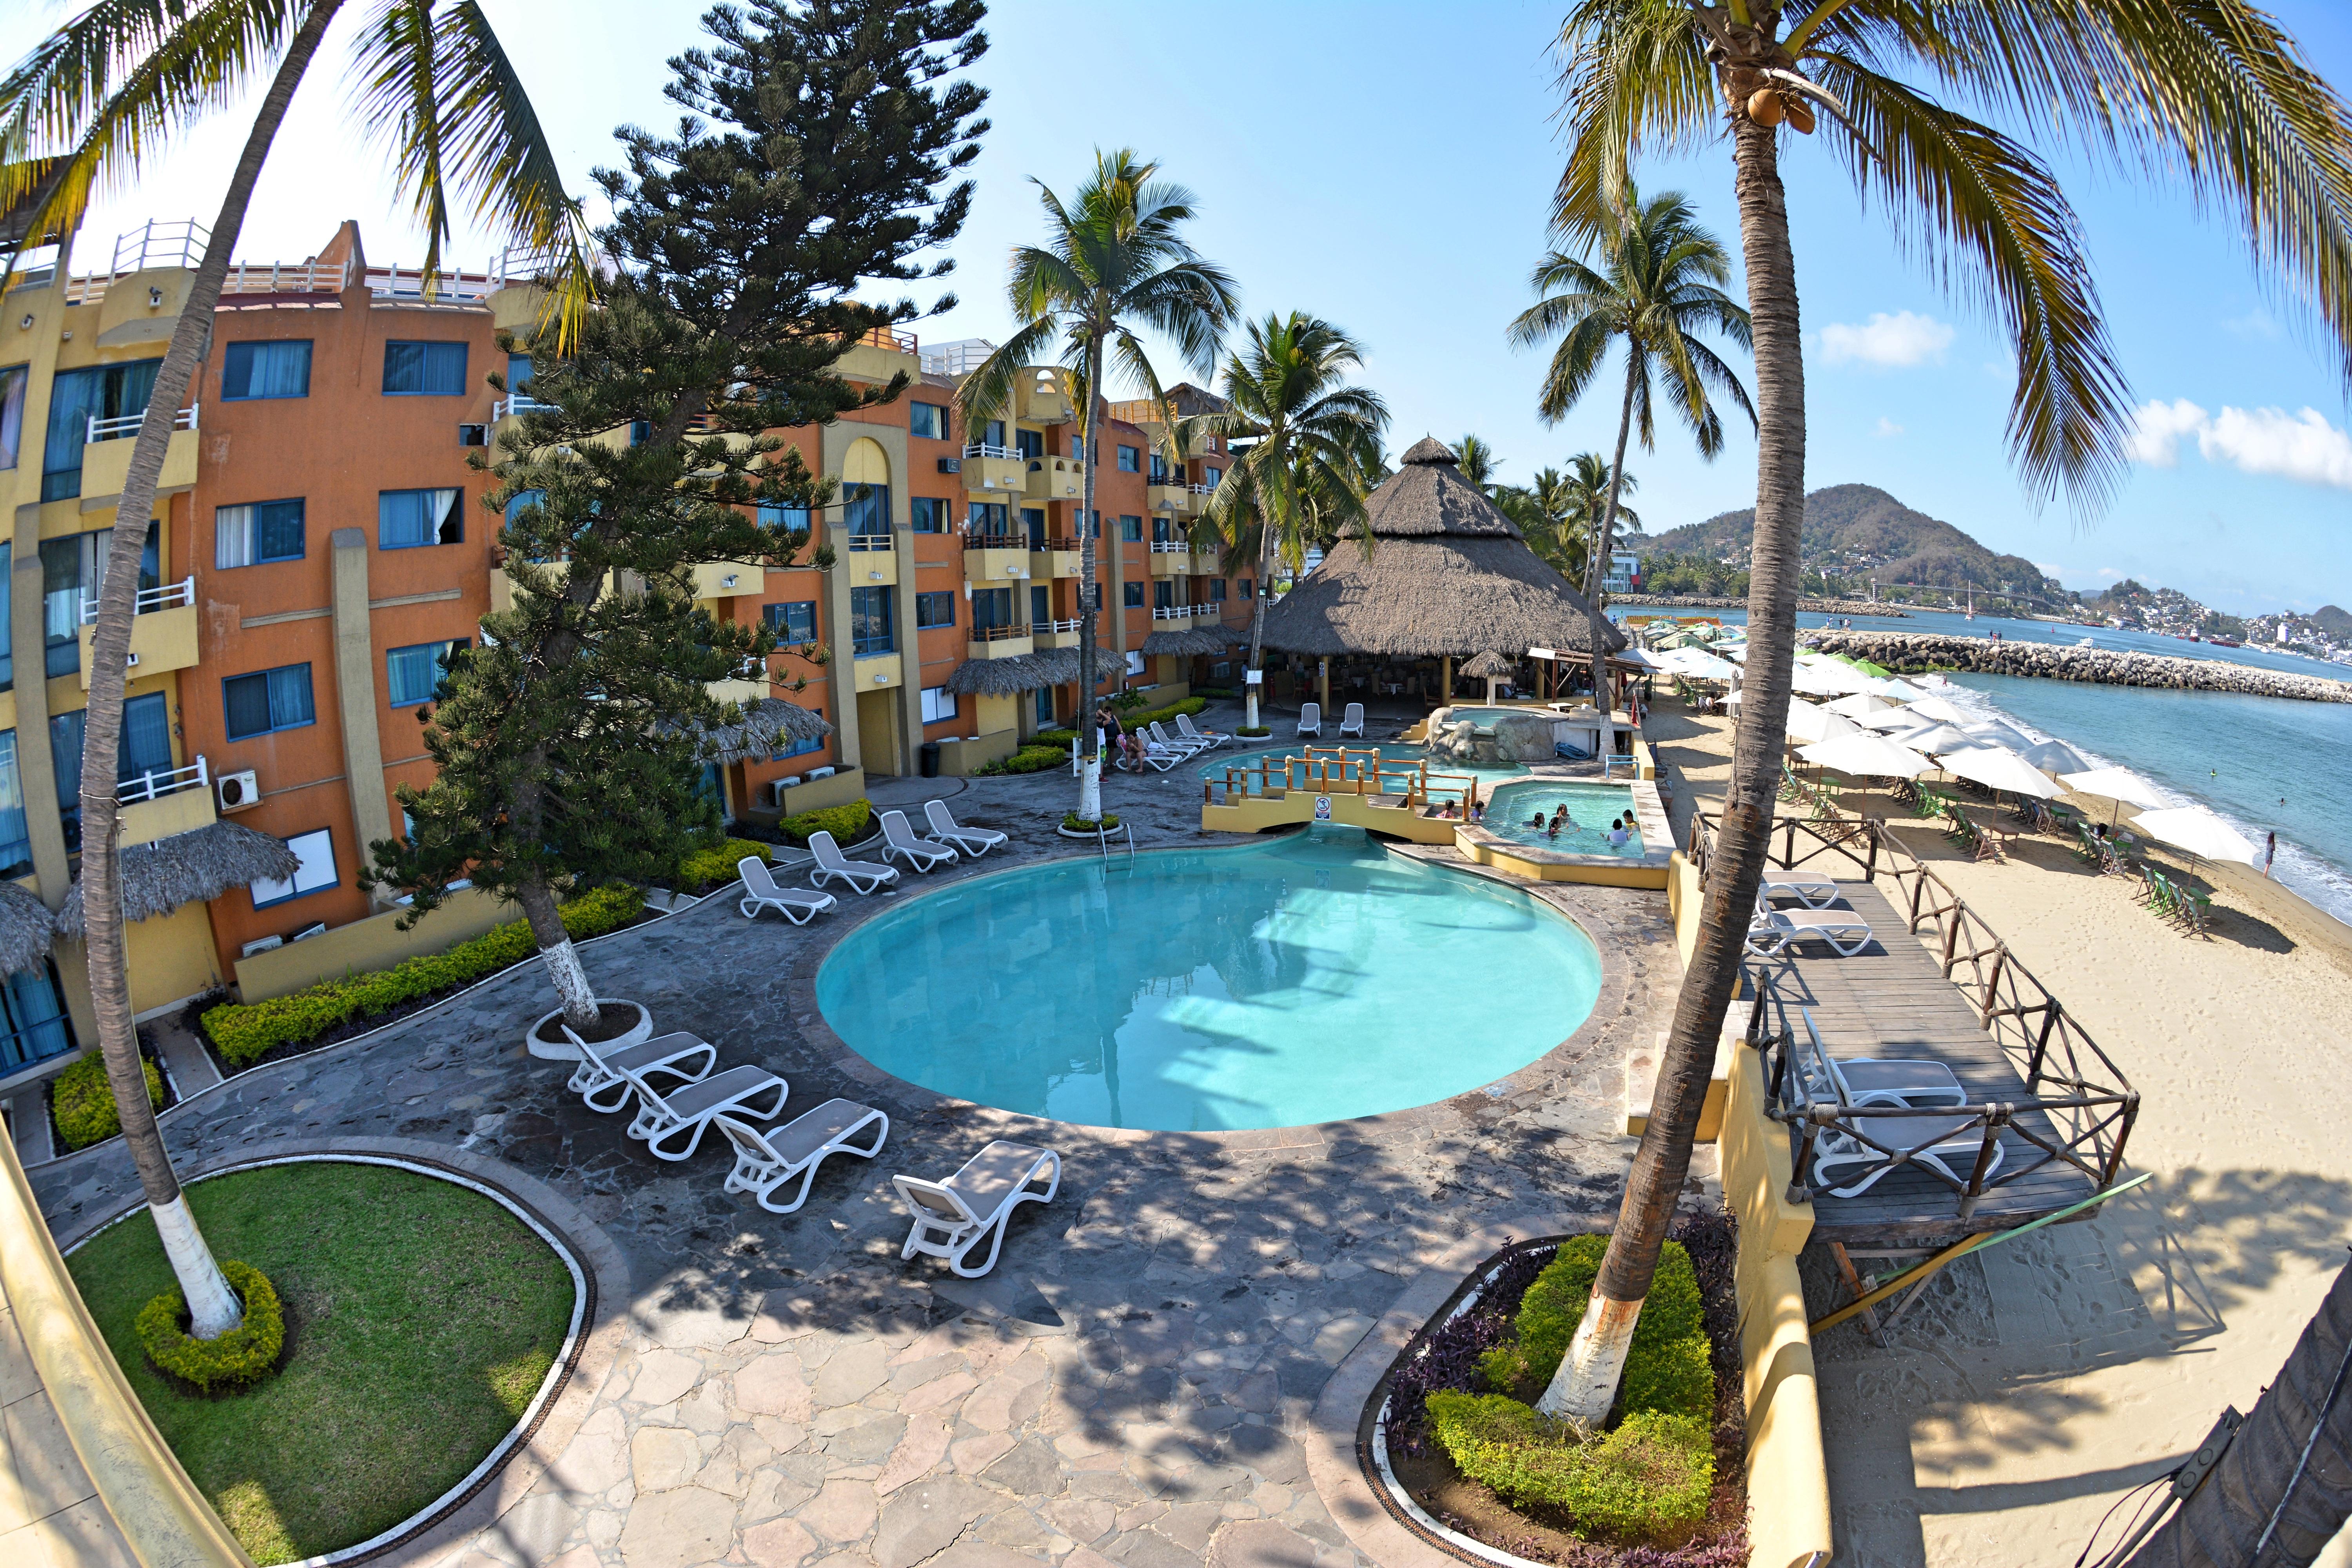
1910 652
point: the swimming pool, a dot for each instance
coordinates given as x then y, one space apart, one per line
1589 807
1213 770
1309 979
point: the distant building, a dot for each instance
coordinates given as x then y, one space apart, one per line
1625 572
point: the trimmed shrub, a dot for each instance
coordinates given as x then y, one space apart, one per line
83 1101
1054 738
1077 824
1667 1367
1647 1480
244 1034
715 867
1028 760
844 822
239 1358
1252 730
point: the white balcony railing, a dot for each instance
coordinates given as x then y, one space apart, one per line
1048 628
164 596
125 426
1201 489
1171 547
170 781
1173 612
984 450
520 403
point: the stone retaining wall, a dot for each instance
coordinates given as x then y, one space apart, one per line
1912 651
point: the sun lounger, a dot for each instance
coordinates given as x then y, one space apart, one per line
603 1076
761 891
898 838
1771 931
862 874
1157 736
766 1160
671 1125
973 841
1874 1081
1185 727
1923 1139
1310 718
1815 890
1351 722
954 1216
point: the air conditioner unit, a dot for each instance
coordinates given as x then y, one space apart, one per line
234 792
307 932
950 465
267 944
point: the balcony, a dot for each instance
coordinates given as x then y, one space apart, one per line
1059 557
1169 498
160 805
1055 634
994 471
1176 558
1041 395
871 560
877 671
520 403
1000 642
995 557
727 580
1057 479
106 457
1183 613
881 354
162 636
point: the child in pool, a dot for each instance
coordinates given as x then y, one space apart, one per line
1618 833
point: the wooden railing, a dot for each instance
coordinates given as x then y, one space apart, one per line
1341 771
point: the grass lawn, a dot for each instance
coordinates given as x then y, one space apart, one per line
422 1316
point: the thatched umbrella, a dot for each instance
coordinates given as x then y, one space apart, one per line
27 928
1023 672
1185 644
1489 667
766 723
189 868
1449 576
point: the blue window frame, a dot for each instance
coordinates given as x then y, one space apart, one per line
791 518
1132 529
15 840
33 1023
424 369
865 509
14 380
515 503
1134 595
78 397
406 520
265 369
929 420
1130 459
314 872
984 516
518 374
930 514
7 628
257 533
413 671
935 609
870 627
790 748
793 623
1217 590
267 701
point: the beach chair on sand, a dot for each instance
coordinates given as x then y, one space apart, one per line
672 1125
1869 1080
764 1161
862 874
761 891
954 1216
602 1078
898 838
1921 1140
1185 727
1310 718
1351 722
1771 931
973 841
1815 890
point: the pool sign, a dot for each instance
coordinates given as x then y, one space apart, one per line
1254 678
1322 808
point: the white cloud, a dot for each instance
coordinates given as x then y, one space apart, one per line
1895 341
2302 447
2157 432
2255 324
1887 427
2106 571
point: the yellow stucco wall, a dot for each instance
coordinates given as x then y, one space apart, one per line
375 942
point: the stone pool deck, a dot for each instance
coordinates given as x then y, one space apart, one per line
1133 1383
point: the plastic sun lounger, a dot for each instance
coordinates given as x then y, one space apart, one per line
954 1216
1771 931
1881 1080
1929 1141
862 874
1351 722
1310 718
1182 747
602 1077
766 1160
661 1121
973 841
898 838
1185 727
761 891
1816 889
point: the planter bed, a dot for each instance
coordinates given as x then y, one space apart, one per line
59 1145
1427 1475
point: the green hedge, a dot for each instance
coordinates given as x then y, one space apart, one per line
1647 1480
844 822
241 1356
715 867
1028 760
1667 1367
1063 736
83 1101
244 1033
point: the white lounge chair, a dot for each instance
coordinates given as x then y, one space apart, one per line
1771 931
1928 1140
1855 1081
862 874
973 841
898 838
766 1160
1815 888
602 1078
671 1124
1310 718
1185 727
761 891
1156 757
1351 722
953 1216
1158 737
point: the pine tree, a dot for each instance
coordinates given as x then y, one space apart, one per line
814 157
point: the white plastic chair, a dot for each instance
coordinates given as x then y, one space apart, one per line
1158 737
973 841
862 874
761 891
898 838
1351 722
1185 727
1816 889
1310 718
602 1078
662 1120
954 1216
766 1160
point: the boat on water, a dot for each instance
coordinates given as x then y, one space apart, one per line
2085 643
2227 642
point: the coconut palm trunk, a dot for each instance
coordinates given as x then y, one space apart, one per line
1586 1383
1596 568
1090 762
212 1306
1251 689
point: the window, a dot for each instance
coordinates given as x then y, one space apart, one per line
992 608
866 510
78 397
1164 594
407 519
939 704
62 574
416 670
793 623
1134 592
790 518
1132 529
935 609
640 432
871 630
145 745
1209 478
1076 447
930 514
1217 590
8 626
13 383
1030 444
15 843
316 851
66 731
515 503
1134 662
1162 529
267 701
984 516
992 432
1130 459
265 369
1246 590
1045 707
1159 469
33 1023
424 369
256 533
1032 523
518 376
1041 602
788 747
929 420
1094 526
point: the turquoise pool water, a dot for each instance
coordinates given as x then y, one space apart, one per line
1213 767
1309 979
1589 807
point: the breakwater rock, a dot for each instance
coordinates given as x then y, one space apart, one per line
1910 652
1810 607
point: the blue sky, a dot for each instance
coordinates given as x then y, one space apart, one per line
1388 171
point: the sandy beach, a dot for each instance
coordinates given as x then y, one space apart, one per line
2036 1384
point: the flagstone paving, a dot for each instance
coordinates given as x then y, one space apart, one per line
1125 1387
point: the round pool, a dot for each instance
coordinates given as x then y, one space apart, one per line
1307 979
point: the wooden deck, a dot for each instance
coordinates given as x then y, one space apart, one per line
1892 1000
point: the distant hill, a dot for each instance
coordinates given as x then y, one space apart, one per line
1861 531
2332 622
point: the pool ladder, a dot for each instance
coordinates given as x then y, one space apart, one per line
1102 841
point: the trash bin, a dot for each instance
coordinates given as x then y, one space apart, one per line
931 759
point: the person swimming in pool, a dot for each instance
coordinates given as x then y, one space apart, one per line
1536 820
1619 833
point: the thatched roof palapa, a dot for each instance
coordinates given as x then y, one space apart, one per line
1185 644
1488 664
187 869
1025 672
1449 576
766 723
27 928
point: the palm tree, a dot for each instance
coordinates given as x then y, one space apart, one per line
1477 462
95 102
2214 94
1301 477
1657 287
1560 512
1112 262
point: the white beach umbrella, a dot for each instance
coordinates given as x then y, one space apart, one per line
1808 725
2053 757
1993 733
1807 680
1997 767
1859 703
1867 756
1634 654
1933 738
1891 719
1936 708
2119 784
1895 689
2199 831
1842 678
1704 665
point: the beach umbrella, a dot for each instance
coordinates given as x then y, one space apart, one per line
1858 704
1806 682
1809 724
1489 667
1701 666
1636 654
1936 708
2199 831
1869 756
1933 738
2053 757
1842 679
1993 733
1895 689
1997 767
2121 785
1890 719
